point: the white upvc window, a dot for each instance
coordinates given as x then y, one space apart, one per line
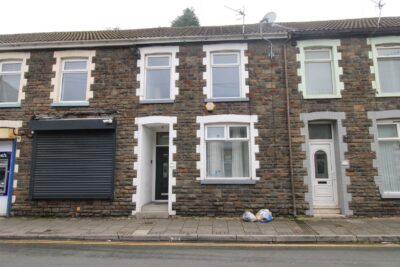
74 80
225 72
389 156
13 66
158 77
388 74
319 72
385 54
226 75
227 151
319 69
10 81
73 77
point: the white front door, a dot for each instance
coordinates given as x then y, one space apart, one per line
323 174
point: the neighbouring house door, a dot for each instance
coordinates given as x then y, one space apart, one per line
162 170
323 174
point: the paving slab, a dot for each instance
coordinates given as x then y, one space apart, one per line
177 229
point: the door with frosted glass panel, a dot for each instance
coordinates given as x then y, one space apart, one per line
323 174
322 164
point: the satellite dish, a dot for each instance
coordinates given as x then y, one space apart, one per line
270 17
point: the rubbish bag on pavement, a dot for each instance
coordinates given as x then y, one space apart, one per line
264 215
249 216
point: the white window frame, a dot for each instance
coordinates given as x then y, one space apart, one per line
147 67
228 120
71 55
337 71
158 51
16 57
64 71
220 49
376 43
226 65
389 122
383 139
5 73
227 138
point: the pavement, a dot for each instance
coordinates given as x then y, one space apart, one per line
177 229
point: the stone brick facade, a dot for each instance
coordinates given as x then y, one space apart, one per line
114 94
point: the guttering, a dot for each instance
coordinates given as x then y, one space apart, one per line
318 34
137 41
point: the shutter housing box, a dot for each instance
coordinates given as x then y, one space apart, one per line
73 159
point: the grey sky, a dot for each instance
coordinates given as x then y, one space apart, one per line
74 15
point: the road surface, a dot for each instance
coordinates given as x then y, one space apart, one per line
61 253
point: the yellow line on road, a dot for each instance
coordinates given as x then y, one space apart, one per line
194 244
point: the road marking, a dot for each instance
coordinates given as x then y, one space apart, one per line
193 244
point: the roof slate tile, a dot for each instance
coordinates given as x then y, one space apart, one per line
204 31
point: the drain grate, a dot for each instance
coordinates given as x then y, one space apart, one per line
305 227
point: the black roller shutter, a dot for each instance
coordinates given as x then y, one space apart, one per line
73 164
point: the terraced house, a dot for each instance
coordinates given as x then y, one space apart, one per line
302 118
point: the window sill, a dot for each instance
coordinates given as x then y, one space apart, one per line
228 181
157 101
10 105
388 95
227 99
323 97
71 104
391 195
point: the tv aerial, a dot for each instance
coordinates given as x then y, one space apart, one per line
379 5
239 12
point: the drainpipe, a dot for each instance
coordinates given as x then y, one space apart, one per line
271 55
289 127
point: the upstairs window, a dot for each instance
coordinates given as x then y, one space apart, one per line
158 77
225 74
319 68
73 77
74 85
158 74
227 151
10 81
319 72
388 60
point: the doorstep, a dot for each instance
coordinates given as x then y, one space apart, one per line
153 210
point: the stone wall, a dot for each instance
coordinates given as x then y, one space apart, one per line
114 91
113 94
358 97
